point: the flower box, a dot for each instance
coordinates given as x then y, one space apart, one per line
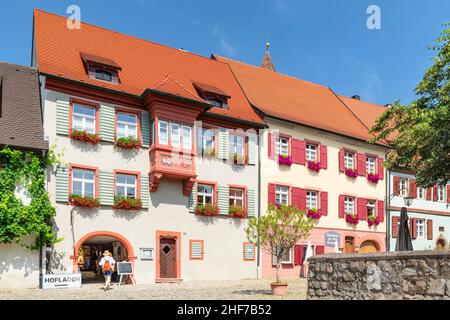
314 214
285 160
374 178
128 143
207 210
208 152
351 218
314 166
124 203
84 136
371 220
84 202
239 159
350 172
237 212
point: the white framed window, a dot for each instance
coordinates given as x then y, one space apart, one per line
403 186
83 182
349 160
126 185
163 132
127 125
371 208
205 141
282 146
103 75
205 194
282 195
420 229
187 137
236 197
287 257
349 205
421 193
311 200
237 144
371 165
175 135
441 193
311 152
178 135
84 118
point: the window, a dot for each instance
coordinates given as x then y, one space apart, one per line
282 146
205 194
83 182
178 135
84 118
441 193
175 137
311 152
126 185
187 137
163 134
370 165
196 250
103 75
237 144
421 193
349 161
403 187
311 200
205 142
236 197
287 256
371 211
217 102
127 125
349 205
282 195
420 229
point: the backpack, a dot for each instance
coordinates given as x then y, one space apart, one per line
107 266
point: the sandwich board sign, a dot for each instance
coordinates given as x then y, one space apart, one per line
61 281
125 269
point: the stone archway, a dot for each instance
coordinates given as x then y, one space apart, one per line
369 246
441 244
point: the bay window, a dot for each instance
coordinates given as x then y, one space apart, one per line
163 132
175 135
186 137
83 182
84 118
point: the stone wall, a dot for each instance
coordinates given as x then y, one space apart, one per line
394 275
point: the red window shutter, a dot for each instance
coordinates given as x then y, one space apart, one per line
298 255
429 194
380 168
324 203
341 206
413 228
323 156
448 193
295 145
362 208
361 164
295 195
341 161
271 145
271 193
301 152
303 199
435 192
395 227
381 210
320 250
430 229
412 188
396 186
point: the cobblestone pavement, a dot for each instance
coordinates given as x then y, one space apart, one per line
191 290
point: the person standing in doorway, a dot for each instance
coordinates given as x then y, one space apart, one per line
107 264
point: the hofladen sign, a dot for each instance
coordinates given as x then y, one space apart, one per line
61 281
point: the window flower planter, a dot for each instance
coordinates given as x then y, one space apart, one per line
314 166
237 212
84 136
350 172
285 160
207 210
84 202
374 178
314 214
371 220
208 152
351 218
124 203
128 143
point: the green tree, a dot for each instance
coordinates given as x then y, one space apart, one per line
419 133
279 230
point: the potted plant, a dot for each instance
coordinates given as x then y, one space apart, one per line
237 212
84 202
314 166
374 178
207 210
372 220
277 232
351 218
128 143
125 203
314 214
350 172
84 136
285 160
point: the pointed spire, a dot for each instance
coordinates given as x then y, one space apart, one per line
267 61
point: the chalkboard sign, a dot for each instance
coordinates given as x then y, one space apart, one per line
124 268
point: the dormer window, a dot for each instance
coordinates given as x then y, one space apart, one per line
103 75
213 95
217 102
100 68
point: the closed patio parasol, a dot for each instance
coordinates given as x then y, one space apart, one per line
404 242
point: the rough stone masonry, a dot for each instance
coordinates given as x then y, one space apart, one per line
421 275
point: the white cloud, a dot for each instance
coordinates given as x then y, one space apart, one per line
367 81
225 46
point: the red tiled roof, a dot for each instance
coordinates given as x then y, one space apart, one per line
144 64
86 57
367 112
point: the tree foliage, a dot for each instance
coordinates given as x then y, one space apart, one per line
419 133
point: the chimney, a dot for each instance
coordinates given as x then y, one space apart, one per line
356 97
388 105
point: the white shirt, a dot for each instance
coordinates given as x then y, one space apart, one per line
111 260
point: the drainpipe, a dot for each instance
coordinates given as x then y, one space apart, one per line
388 211
259 202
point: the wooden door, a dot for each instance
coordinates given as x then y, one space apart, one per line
349 245
368 247
167 258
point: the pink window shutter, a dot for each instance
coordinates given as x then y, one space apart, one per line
341 161
361 164
302 152
271 194
380 168
362 208
430 229
302 199
381 210
324 203
295 154
435 192
295 195
341 206
323 156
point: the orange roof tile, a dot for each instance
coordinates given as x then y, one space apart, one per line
144 64
367 112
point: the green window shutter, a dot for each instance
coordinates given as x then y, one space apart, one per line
251 203
196 250
145 128
223 199
62 117
249 251
106 188
144 191
224 143
62 184
252 149
193 199
107 125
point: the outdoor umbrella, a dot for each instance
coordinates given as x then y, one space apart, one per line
336 247
308 253
404 242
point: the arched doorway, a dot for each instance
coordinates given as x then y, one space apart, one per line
368 246
349 246
441 244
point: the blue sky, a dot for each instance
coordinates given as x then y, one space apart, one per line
322 41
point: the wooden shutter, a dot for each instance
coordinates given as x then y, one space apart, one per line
298 255
396 186
224 142
296 197
430 229
107 122
252 149
303 199
106 188
341 206
395 227
249 251
146 129
62 117
448 193
323 156
362 208
341 161
413 227
361 164
251 203
302 152
223 199
271 145
145 194
412 188
381 210
196 250
295 152
380 162
193 199
62 184
324 203
429 191
435 192
271 194
320 250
